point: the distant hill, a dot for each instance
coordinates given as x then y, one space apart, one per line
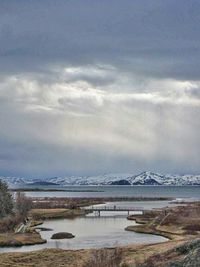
42 183
144 178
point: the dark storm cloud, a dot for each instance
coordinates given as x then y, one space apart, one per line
99 86
158 38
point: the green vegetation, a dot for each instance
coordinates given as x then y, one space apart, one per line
6 200
13 211
15 230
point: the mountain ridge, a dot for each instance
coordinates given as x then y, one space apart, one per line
144 178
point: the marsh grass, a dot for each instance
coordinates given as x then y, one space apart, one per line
105 257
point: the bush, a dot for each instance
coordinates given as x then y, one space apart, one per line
9 223
192 227
23 204
187 247
105 257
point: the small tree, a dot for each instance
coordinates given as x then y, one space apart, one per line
23 204
6 200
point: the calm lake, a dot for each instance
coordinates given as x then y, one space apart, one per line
121 191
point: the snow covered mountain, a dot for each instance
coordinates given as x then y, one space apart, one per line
150 178
144 178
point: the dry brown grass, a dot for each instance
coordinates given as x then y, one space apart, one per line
127 256
130 256
174 223
12 239
44 258
104 257
43 214
133 256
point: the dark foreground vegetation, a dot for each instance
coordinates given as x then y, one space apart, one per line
13 210
15 226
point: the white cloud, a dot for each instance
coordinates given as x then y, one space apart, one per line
84 91
148 126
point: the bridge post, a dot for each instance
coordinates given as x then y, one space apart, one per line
128 212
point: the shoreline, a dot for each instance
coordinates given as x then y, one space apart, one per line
131 255
37 216
165 222
52 190
168 222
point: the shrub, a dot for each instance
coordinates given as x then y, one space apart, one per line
187 247
6 201
105 257
192 227
9 223
23 204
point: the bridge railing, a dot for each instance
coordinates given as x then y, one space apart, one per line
113 208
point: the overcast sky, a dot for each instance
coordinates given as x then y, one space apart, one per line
98 86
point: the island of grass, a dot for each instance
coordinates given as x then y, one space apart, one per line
20 239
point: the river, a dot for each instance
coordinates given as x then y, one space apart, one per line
95 232
107 230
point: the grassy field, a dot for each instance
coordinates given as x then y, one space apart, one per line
130 256
44 214
44 258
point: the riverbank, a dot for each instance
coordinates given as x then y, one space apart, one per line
181 224
175 223
20 239
27 235
155 255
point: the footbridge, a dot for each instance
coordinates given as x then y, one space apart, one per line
97 210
